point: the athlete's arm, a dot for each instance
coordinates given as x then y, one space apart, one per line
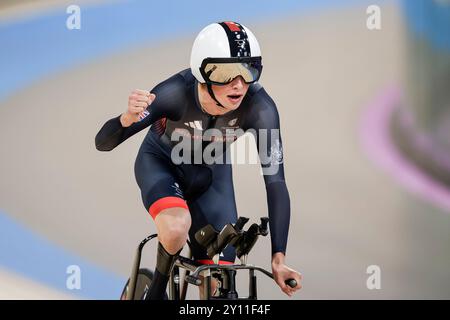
264 120
118 129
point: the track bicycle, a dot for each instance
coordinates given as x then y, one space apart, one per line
201 275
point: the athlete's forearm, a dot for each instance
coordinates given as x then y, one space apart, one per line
279 215
118 129
110 135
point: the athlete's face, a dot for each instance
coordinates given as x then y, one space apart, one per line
231 94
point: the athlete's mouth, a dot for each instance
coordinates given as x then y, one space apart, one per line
234 97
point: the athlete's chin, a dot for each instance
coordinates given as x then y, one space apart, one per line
232 107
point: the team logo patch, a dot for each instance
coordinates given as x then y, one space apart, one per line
276 153
177 190
231 123
143 115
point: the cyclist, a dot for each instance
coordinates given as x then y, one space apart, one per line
210 105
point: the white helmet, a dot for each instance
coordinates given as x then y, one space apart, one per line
224 43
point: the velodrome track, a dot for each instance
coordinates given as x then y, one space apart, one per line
323 71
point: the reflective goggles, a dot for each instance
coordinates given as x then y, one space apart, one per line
221 71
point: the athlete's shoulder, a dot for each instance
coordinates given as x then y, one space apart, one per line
261 111
259 98
179 79
174 88
187 75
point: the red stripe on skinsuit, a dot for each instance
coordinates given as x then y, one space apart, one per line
165 203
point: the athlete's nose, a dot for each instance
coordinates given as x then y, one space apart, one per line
237 83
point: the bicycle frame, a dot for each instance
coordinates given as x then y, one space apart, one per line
226 272
136 264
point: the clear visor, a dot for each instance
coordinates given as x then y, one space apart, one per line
223 73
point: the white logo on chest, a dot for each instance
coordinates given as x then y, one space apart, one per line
194 124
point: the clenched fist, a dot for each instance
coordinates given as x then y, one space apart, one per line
138 102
